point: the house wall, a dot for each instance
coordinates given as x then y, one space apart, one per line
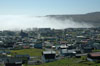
13 64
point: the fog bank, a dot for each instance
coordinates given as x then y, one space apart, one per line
16 22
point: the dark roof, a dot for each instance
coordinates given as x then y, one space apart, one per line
22 55
13 60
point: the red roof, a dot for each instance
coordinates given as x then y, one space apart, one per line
96 54
63 42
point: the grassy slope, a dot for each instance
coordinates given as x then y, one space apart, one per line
68 62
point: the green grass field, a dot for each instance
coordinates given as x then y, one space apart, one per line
31 52
96 50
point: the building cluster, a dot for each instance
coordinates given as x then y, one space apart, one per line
57 43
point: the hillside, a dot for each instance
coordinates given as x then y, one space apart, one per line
91 18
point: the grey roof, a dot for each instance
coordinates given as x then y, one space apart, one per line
67 51
49 52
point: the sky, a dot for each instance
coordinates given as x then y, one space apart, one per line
47 7
22 14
